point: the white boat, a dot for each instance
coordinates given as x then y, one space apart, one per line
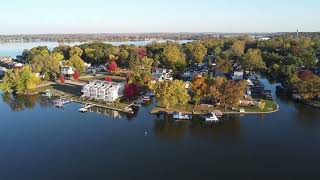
180 116
146 98
211 118
86 107
61 102
83 110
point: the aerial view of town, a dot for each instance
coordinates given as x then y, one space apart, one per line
159 90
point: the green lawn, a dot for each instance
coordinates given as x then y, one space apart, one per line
270 106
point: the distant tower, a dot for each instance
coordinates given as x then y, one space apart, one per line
297 33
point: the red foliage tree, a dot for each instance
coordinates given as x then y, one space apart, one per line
108 78
61 78
306 74
141 51
113 66
76 75
130 91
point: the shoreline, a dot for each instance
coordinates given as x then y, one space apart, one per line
75 96
160 111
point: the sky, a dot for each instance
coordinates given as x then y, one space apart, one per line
138 16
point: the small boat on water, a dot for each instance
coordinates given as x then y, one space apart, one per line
47 94
211 118
180 116
61 102
85 108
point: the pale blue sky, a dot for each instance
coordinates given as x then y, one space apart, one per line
126 16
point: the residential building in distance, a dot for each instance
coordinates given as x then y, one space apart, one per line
160 74
67 70
103 90
8 63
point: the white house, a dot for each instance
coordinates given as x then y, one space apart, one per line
160 74
67 70
103 90
237 75
3 70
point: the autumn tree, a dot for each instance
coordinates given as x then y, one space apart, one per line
76 75
113 66
215 88
141 52
223 65
199 88
238 47
131 90
108 78
231 92
61 78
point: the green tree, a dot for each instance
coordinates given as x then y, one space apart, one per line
217 51
46 65
252 60
174 57
77 63
309 88
20 81
146 63
171 93
223 66
195 52
75 51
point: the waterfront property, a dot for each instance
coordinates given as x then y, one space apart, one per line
104 91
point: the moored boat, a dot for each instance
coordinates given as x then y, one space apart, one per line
180 116
211 118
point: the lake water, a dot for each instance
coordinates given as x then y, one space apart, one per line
14 49
40 142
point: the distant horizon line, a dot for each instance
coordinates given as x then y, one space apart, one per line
130 33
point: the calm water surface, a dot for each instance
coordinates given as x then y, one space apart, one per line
40 142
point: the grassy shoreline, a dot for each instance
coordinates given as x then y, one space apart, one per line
270 107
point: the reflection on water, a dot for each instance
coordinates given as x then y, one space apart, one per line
167 127
20 102
284 142
106 112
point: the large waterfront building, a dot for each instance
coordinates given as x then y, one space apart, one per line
103 90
